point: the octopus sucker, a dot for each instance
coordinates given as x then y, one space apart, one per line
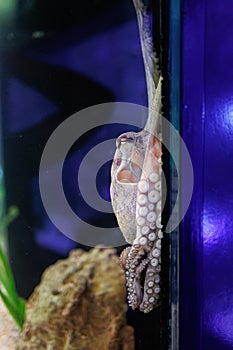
136 190
158 222
156 252
143 211
151 206
142 241
158 244
152 236
158 186
154 262
154 196
151 217
150 283
142 199
154 177
145 230
143 186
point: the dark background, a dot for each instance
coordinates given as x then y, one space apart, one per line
58 58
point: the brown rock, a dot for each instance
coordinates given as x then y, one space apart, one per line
79 304
9 332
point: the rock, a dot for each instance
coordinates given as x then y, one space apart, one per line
79 304
9 332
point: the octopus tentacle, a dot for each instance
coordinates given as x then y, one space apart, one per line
133 280
123 256
143 259
151 286
136 188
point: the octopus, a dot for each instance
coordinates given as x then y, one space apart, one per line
136 188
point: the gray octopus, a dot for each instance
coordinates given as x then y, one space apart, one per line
136 188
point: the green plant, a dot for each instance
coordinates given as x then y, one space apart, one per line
8 293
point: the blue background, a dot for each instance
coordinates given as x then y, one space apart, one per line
207 127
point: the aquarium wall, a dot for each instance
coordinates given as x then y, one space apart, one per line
207 128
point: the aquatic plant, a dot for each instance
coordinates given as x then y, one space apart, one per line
14 304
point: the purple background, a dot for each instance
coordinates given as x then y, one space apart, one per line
207 127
